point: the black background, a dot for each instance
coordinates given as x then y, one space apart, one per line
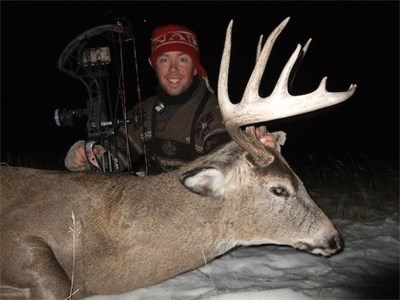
353 42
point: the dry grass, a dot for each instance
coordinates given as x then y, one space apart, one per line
75 234
355 188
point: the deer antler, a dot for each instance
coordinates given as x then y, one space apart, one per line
253 109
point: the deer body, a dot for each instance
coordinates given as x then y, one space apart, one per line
81 233
121 225
127 236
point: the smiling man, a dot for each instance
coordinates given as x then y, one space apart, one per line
181 122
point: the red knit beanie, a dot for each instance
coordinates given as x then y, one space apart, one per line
176 38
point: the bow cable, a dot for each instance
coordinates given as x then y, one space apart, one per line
141 117
122 93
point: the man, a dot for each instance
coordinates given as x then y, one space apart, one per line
181 122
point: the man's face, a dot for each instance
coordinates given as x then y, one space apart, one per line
175 71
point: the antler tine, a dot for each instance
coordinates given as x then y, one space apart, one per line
298 62
251 92
259 47
225 104
281 87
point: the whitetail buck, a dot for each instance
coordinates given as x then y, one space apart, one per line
86 233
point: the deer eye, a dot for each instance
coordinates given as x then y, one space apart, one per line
279 191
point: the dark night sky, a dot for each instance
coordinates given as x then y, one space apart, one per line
353 42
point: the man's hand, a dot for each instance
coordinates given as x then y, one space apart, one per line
271 139
268 140
76 159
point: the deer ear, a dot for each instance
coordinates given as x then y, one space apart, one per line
204 181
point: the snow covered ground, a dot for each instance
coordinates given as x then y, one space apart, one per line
368 268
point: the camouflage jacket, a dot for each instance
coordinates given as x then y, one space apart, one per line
173 134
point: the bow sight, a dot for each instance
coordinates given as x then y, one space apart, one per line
95 57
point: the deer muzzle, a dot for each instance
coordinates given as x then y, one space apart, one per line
327 244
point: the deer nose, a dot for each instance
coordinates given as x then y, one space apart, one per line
336 242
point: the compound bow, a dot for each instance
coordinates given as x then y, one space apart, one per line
85 60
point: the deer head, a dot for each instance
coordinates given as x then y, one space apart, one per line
282 210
